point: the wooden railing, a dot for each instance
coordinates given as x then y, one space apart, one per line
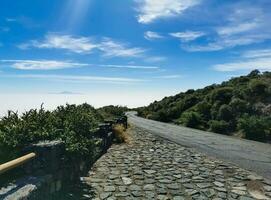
15 163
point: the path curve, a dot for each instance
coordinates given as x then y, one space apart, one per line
150 167
250 155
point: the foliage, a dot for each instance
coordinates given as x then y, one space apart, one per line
220 108
219 126
111 112
255 127
75 125
120 134
191 119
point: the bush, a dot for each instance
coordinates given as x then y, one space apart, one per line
258 89
222 95
204 108
120 134
225 113
191 119
111 112
72 124
255 127
238 106
219 126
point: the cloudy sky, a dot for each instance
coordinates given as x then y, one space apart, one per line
125 52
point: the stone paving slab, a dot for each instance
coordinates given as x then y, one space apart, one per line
152 168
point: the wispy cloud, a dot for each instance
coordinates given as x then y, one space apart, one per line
150 35
173 76
259 63
77 78
84 45
111 48
257 53
66 93
256 59
150 10
11 19
153 59
24 21
42 64
187 35
4 29
237 28
130 66
67 42
244 26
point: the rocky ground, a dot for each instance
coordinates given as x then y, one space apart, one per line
153 168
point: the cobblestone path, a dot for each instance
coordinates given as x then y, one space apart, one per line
152 168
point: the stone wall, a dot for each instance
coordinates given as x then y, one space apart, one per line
53 168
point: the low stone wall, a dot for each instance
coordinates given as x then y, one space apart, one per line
53 168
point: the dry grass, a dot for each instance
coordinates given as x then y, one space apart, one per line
121 134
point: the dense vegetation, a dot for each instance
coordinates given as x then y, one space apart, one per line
75 125
111 112
240 106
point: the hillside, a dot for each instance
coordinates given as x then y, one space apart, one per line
240 107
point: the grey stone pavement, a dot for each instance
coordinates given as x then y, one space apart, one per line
149 167
250 155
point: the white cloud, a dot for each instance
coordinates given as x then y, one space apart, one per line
130 66
187 36
259 63
244 26
155 59
150 35
254 59
111 48
237 28
228 42
257 53
42 64
150 10
78 78
107 46
174 76
67 42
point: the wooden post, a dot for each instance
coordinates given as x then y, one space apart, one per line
15 163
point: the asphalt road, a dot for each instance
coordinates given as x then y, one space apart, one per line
250 155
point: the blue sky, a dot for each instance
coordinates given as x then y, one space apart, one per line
125 52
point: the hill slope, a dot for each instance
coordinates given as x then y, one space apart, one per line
240 106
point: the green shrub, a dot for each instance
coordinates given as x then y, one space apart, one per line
72 124
111 112
191 119
225 113
219 126
204 108
238 106
258 89
222 95
255 127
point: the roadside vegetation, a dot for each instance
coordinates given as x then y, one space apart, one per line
240 106
121 134
75 125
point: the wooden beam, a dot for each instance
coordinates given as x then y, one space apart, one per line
17 162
